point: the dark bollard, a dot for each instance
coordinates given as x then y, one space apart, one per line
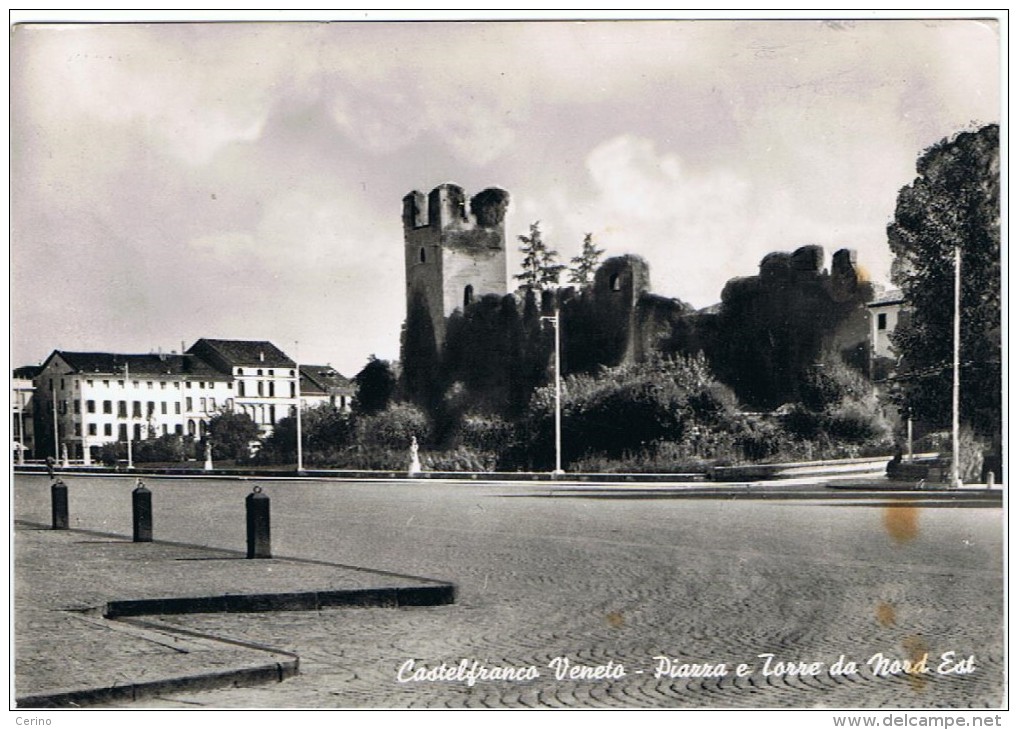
58 491
259 544
141 507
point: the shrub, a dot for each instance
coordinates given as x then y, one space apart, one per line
392 428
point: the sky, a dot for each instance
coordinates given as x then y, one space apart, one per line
244 180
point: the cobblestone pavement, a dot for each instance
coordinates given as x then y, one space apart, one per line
544 574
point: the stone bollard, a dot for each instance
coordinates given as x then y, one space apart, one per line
141 508
259 543
58 492
990 478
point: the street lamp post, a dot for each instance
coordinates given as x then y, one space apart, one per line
130 424
956 379
300 436
555 319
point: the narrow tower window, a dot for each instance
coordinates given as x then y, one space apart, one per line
468 295
424 256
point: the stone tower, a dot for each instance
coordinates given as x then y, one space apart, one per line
453 253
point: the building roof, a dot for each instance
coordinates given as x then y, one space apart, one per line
26 372
258 353
138 365
322 379
891 296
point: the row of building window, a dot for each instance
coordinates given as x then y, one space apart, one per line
137 384
240 371
205 405
261 389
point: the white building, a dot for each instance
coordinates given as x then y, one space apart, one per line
84 400
323 384
22 426
884 313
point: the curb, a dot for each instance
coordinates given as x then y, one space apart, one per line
437 595
262 674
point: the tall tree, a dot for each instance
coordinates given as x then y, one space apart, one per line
954 202
586 263
540 270
231 434
375 385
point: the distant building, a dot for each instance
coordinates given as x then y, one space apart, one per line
886 310
22 426
322 384
84 400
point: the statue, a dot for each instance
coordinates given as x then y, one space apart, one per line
64 462
208 456
415 461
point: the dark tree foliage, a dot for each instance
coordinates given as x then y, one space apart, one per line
487 351
584 265
953 202
540 270
231 434
422 373
771 331
325 428
376 384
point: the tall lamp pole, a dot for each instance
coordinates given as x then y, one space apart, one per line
956 380
558 390
127 384
300 436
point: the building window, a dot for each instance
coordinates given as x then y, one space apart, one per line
201 403
150 384
176 385
63 408
90 406
107 407
77 429
77 407
120 383
212 404
270 373
89 383
151 409
240 388
424 256
92 429
201 384
272 414
176 408
122 431
137 432
162 408
122 408
106 384
135 383
162 385
166 429
189 404
293 390
178 429
240 371
882 321
107 429
260 388
259 373
272 389
136 409
61 383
